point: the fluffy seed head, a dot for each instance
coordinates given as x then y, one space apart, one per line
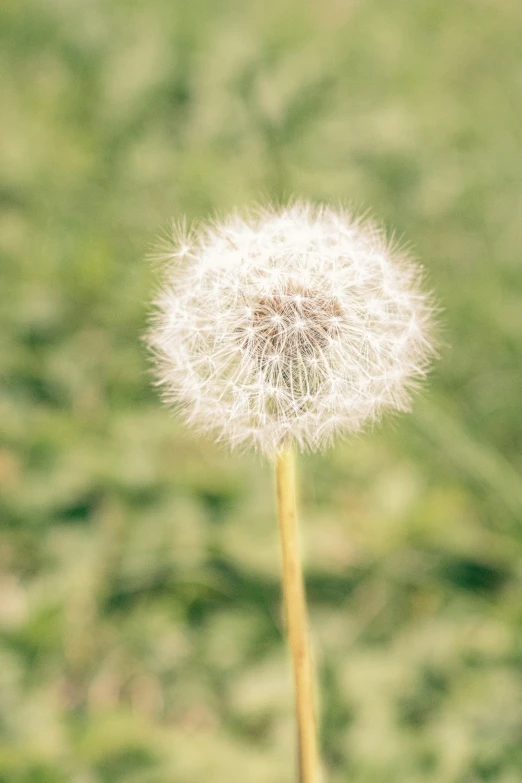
297 323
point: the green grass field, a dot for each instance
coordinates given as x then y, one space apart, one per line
141 638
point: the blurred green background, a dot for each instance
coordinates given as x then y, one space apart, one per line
141 638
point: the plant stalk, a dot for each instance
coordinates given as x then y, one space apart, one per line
296 617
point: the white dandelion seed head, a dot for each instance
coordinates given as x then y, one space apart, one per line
292 324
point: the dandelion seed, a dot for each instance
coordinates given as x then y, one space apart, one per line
305 300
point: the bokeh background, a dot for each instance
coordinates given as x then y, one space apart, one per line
141 638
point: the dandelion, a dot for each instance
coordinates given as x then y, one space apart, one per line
288 328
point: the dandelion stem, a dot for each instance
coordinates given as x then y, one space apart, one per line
296 617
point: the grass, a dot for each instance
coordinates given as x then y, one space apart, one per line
140 618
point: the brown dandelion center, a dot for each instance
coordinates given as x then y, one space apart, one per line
294 323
